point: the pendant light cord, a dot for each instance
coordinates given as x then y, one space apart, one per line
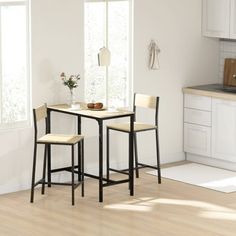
106 38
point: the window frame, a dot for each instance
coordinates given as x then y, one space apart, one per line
129 92
26 123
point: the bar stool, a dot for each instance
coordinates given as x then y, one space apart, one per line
143 101
48 139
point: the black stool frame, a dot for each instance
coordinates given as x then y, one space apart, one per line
71 169
138 165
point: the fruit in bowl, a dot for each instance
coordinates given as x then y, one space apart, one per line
98 105
90 105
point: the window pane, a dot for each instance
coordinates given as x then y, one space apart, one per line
111 86
14 61
118 44
95 83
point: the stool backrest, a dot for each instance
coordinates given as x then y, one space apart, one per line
39 114
147 101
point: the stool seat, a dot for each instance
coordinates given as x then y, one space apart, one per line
60 139
126 127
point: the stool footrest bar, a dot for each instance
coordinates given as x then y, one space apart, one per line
148 166
119 171
65 184
114 182
62 169
38 182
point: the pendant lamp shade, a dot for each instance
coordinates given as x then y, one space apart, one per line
104 57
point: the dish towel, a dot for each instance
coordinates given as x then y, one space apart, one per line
153 56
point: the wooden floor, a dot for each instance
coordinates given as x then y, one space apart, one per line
172 208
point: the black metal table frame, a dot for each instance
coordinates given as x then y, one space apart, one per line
100 125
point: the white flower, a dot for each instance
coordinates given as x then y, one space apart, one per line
74 79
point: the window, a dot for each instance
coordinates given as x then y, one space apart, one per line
14 70
107 23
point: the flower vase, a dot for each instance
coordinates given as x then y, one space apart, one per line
72 98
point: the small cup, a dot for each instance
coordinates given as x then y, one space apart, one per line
75 106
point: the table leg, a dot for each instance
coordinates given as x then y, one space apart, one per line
48 130
79 147
100 123
131 156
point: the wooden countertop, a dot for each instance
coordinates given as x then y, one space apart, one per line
212 90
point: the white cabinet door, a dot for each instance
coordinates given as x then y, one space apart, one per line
197 139
233 20
224 130
216 18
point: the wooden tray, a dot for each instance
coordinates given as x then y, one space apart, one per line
230 72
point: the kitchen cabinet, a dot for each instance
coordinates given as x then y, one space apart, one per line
210 127
197 124
218 18
224 129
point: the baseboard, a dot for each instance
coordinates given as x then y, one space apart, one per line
172 157
4 189
211 161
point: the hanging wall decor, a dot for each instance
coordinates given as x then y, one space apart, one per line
154 50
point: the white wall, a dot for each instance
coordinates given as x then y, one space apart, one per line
57 45
186 59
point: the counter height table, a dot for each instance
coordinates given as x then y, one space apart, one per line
100 116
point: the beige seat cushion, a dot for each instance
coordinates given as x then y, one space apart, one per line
137 126
60 139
